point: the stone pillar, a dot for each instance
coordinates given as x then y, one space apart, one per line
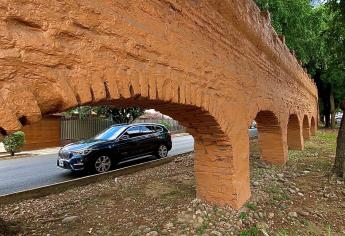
272 138
295 134
222 169
306 129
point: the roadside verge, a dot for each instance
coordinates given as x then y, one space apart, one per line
63 186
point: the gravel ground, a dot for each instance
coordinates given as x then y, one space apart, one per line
297 199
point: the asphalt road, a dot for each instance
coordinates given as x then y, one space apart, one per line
26 173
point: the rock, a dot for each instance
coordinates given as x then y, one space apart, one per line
256 183
239 223
244 210
198 212
200 220
280 175
168 225
300 194
292 191
306 172
270 215
293 214
262 227
152 233
261 215
216 233
340 182
147 230
303 213
70 219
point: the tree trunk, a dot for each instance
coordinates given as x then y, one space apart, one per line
332 108
12 153
339 162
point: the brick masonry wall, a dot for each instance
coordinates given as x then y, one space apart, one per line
212 65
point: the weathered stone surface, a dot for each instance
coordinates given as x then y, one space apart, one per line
213 65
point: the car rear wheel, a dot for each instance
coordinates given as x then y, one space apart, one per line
162 151
102 164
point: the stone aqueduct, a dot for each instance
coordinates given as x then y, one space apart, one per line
213 65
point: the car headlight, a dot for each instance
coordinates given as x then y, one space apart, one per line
82 152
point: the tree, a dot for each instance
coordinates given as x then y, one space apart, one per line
14 142
118 115
315 31
339 162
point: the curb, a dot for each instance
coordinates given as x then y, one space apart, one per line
66 185
180 134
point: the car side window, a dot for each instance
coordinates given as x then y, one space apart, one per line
158 129
146 130
133 132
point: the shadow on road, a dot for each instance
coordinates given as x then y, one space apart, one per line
136 161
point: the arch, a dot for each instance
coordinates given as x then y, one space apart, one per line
306 128
271 139
294 133
221 178
312 126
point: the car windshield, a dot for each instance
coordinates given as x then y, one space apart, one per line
110 134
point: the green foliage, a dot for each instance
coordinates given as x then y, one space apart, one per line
315 30
250 232
251 206
166 124
296 21
243 215
14 142
119 115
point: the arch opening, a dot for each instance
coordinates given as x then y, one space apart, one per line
306 128
271 138
217 180
294 133
220 178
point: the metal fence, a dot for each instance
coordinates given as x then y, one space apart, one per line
75 128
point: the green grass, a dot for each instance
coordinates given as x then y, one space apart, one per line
243 215
253 231
322 146
201 230
251 206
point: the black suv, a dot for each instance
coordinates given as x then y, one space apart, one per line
116 144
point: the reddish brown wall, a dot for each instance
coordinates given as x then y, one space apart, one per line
42 134
212 65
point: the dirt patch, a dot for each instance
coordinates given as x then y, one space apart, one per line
157 189
296 199
10 227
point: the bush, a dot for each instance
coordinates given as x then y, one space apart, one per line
14 142
166 124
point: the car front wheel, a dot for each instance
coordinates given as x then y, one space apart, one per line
162 151
102 164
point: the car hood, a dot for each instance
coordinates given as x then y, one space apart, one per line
84 144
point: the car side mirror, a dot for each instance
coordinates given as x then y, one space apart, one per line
124 137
